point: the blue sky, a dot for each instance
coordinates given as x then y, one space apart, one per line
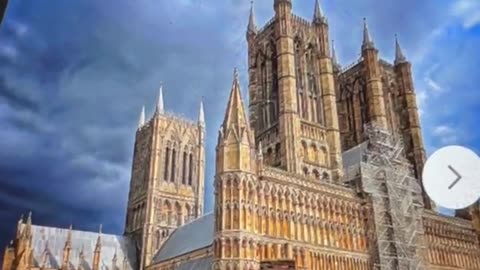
74 75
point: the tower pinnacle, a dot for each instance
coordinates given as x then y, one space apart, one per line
367 39
235 116
399 56
201 115
318 14
141 122
160 100
252 26
334 56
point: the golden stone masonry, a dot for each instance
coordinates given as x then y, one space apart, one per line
322 170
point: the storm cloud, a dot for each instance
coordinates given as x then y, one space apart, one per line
74 75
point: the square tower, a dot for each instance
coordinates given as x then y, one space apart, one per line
292 93
167 182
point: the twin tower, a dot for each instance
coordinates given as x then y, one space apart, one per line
304 111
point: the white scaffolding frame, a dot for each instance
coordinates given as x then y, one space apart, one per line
387 176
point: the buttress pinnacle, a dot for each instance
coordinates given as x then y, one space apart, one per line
252 26
159 108
318 13
201 115
141 121
334 56
399 56
367 39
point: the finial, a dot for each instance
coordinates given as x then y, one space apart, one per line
100 228
318 14
141 122
252 26
201 114
20 221
399 56
367 39
160 108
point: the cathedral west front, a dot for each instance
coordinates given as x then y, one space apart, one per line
320 170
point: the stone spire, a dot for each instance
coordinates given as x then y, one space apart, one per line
367 39
235 116
98 248
252 26
67 249
399 56
141 122
160 107
334 56
201 114
318 16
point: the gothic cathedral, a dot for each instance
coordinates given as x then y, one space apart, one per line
320 170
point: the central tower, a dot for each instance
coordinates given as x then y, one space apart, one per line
292 93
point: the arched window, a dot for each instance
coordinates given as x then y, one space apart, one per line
165 167
190 169
184 169
316 174
174 157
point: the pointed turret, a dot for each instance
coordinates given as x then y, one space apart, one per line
399 56
98 248
99 238
67 249
235 147
335 63
19 226
201 115
141 121
252 26
160 107
235 117
367 38
318 16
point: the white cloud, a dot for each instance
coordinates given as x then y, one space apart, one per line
421 99
468 11
446 134
433 84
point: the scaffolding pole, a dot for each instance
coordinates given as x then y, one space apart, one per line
387 176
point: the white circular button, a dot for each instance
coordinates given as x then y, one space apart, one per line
451 177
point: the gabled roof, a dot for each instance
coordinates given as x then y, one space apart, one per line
187 238
49 242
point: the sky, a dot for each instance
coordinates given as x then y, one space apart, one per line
75 74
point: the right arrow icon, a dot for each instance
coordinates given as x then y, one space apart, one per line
456 180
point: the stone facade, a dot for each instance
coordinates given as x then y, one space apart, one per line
300 183
167 186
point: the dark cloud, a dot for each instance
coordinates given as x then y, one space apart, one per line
75 75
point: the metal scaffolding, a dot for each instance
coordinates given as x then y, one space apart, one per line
387 176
